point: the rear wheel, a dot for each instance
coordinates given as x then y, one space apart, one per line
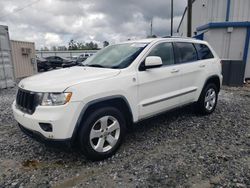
102 133
208 99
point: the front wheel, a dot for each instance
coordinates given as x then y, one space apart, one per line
101 133
208 99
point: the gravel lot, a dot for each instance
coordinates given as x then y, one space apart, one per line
176 149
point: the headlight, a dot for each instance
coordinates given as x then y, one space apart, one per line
55 99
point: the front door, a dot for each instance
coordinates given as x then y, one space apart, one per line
159 88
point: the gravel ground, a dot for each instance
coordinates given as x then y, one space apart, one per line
176 149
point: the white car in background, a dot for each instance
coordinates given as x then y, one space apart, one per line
122 84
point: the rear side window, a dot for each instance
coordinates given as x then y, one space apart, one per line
203 51
185 52
165 51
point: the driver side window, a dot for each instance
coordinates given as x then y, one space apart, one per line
165 51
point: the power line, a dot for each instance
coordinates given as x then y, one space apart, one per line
20 9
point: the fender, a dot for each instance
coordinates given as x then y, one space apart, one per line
212 77
96 101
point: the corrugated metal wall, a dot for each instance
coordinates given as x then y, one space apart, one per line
205 11
228 45
239 10
24 63
216 10
6 68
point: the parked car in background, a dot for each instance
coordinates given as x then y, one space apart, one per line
69 64
42 64
82 58
76 60
56 61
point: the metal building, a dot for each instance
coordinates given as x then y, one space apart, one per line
24 58
225 25
6 68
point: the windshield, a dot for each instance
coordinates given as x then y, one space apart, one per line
116 56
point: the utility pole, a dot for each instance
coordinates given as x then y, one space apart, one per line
189 18
172 17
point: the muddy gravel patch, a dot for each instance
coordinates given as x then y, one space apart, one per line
176 149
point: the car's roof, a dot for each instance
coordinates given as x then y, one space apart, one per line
170 39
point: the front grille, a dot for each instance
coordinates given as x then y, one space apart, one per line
27 101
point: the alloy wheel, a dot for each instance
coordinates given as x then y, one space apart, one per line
210 99
104 134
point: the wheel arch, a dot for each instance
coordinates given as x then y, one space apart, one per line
117 101
213 79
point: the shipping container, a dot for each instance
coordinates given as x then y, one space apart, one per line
24 58
6 66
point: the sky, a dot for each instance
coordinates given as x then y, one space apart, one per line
54 22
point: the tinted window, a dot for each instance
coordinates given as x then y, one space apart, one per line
203 51
185 52
165 51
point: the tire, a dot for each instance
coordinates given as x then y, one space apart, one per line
208 100
98 141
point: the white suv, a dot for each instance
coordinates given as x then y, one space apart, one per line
122 84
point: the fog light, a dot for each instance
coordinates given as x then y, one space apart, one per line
47 127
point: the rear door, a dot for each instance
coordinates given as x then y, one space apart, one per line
193 68
159 88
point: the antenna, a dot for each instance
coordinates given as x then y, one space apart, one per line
151 28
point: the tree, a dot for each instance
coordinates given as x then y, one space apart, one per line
61 48
72 45
91 46
80 46
54 48
46 48
105 43
75 45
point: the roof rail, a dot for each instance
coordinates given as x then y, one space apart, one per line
177 37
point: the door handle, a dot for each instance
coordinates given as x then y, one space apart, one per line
175 70
202 66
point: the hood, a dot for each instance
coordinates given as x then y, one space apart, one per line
59 80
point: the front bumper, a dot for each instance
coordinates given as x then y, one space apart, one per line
62 118
49 142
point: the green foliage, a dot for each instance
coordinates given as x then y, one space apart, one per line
75 45
105 43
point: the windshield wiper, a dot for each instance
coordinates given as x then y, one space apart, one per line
95 65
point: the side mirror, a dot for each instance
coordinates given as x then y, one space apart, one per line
153 62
